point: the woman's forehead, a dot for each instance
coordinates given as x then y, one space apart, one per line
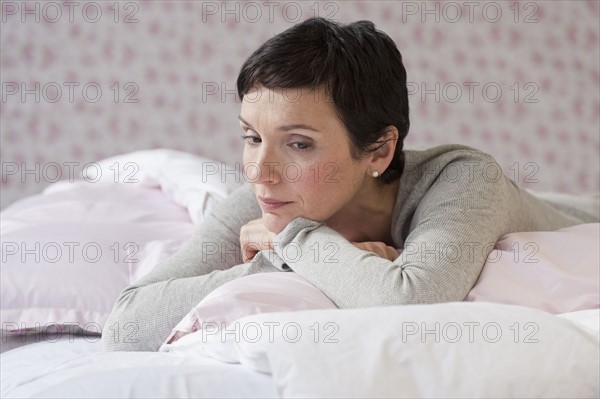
313 114
279 103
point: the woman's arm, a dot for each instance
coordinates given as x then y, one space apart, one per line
435 266
144 316
147 310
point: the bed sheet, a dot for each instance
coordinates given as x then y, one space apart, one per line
76 367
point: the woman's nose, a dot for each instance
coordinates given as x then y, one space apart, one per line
265 169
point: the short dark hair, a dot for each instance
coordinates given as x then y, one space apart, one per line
360 68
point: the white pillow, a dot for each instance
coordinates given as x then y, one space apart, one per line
445 350
194 182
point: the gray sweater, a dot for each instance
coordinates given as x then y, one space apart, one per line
452 206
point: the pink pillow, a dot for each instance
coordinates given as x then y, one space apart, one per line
555 271
69 252
256 293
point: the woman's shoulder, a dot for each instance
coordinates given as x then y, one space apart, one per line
448 152
453 160
451 178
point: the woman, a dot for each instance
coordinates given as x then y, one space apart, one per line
332 193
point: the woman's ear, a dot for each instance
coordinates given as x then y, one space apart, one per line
384 151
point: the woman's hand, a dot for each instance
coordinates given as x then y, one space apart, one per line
255 237
378 248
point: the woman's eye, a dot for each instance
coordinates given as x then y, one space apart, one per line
300 146
252 139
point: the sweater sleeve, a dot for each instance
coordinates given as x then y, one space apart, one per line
456 225
148 309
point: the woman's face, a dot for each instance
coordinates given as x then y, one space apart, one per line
297 156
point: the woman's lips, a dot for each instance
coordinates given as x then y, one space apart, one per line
270 204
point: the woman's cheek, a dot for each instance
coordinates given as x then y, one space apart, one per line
312 195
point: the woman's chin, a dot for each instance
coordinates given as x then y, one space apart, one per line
275 223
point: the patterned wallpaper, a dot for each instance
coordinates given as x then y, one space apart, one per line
82 81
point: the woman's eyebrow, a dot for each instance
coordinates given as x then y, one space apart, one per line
286 128
297 126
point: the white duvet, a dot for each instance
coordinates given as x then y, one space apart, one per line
78 368
444 350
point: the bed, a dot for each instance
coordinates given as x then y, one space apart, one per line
529 328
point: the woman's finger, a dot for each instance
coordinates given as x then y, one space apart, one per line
392 254
254 237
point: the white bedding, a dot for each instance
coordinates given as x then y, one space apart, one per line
361 353
457 349
79 369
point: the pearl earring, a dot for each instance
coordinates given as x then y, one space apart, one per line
375 174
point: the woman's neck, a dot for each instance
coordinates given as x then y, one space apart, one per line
368 217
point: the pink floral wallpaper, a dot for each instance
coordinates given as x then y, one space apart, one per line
85 80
